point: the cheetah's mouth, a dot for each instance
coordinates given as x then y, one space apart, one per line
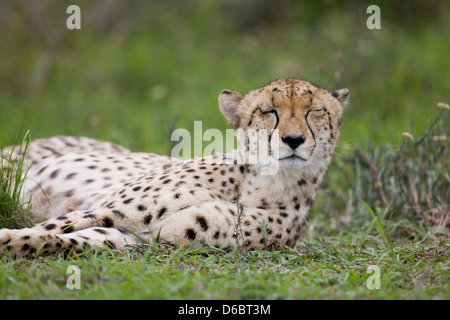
293 157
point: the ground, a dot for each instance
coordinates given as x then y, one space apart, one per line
331 268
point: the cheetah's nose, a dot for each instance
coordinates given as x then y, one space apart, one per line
293 141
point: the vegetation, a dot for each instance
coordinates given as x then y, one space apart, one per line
335 268
13 208
136 71
408 185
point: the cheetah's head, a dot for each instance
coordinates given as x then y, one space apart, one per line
299 120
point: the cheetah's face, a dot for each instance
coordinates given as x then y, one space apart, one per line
301 121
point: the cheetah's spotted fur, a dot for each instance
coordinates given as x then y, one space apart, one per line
92 194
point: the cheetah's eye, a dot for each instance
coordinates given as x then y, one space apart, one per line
316 108
265 110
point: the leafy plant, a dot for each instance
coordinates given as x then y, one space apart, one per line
13 169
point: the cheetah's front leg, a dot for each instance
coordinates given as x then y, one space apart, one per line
73 230
79 220
31 242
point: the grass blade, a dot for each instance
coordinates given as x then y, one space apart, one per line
386 238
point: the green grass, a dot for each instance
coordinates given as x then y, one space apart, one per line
136 71
384 235
13 208
332 268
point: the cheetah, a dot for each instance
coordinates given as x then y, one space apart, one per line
92 194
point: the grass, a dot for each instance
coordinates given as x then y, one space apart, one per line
385 236
133 73
332 268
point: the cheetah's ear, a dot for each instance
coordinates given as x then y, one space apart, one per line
228 103
341 95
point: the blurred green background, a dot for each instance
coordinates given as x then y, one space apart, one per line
139 69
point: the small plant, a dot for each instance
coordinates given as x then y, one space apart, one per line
383 232
409 186
238 223
264 225
13 169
